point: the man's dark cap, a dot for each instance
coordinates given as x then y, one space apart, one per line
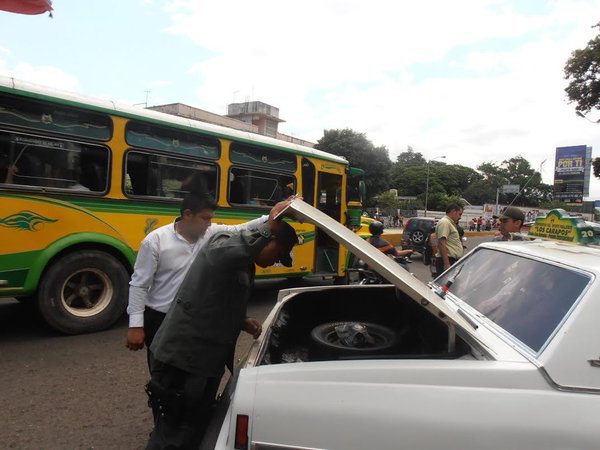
514 213
286 235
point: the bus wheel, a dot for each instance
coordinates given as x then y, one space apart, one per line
83 292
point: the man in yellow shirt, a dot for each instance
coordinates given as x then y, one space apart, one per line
450 247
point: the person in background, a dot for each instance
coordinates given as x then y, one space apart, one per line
376 230
450 248
472 224
198 336
511 221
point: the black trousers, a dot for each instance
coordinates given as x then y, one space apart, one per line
152 321
184 402
439 263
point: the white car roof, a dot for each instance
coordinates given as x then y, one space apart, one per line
578 256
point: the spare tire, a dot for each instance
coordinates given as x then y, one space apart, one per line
364 338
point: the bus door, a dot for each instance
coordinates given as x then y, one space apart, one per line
329 200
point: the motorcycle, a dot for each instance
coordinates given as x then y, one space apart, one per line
360 274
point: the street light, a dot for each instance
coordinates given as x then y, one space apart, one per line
427 185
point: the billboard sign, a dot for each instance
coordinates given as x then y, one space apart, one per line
570 184
510 188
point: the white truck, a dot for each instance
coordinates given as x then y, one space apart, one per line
502 351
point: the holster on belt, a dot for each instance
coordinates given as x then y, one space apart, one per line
169 403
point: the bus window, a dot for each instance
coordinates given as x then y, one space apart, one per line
172 140
52 163
257 188
164 176
45 116
308 181
354 188
268 159
330 194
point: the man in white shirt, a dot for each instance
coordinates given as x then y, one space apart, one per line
162 262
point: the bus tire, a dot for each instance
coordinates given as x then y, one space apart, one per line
82 292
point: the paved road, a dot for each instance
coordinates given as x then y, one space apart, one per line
86 392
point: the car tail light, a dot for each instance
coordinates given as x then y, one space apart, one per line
241 432
406 225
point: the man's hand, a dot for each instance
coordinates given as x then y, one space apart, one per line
279 207
135 338
252 326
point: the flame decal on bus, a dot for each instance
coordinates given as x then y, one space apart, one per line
25 220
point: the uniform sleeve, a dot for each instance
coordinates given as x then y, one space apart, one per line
141 280
237 249
253 225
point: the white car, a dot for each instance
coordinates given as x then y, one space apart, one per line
502 351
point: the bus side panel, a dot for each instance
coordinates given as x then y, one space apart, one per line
33 229
135 221
303 255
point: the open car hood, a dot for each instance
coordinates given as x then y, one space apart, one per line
377 261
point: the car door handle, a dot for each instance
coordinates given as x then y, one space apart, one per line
594 362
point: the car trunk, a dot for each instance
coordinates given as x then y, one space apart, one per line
410 331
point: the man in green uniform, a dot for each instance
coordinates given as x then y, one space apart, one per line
450 246
198 335
511 221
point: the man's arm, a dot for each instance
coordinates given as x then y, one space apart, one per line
252 225
444 252
141 280
240 248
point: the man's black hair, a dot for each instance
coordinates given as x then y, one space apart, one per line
197 202
453 207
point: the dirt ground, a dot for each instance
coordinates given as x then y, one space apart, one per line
78 392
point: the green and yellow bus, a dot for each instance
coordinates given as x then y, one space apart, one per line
83 181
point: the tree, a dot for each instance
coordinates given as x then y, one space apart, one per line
361 153
582 70
516 170
596 166
388 202
409 176
410 158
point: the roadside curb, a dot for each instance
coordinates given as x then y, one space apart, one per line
394 237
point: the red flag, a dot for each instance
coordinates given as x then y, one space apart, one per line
27 6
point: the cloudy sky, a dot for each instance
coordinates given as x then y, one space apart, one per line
475 81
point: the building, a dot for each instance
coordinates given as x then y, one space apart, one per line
255 117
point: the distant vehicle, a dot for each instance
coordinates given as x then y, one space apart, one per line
415 232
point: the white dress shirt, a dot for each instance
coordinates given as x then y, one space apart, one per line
161 264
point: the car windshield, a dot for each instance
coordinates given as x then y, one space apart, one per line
527 298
